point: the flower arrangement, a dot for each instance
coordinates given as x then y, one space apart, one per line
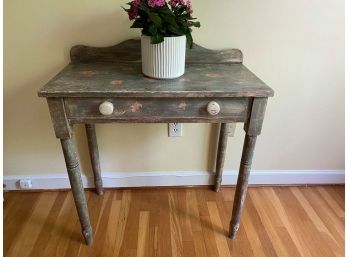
159 19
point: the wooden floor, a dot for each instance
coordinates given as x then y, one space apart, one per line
277 221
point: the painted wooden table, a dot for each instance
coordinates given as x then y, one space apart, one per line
105 85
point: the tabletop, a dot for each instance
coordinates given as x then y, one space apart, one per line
109 73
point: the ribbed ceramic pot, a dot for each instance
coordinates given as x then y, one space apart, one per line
165 60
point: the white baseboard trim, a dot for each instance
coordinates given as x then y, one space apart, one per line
152 179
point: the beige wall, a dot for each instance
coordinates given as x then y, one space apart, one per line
294 46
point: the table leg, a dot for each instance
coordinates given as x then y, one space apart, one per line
94 155
220 158
74 173
242 183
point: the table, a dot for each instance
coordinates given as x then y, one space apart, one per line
105 85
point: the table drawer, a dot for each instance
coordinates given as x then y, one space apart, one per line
81 110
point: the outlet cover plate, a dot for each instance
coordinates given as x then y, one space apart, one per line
175 129
25 183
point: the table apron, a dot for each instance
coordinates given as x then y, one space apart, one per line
156 110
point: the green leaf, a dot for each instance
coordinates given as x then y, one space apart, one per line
165 10
156 39
196 24
139 23
181 9
152 29
170 19
144 8
189 40
175 30
146 32
154 17
185 16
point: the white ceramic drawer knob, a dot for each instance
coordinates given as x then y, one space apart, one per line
106 108
213 108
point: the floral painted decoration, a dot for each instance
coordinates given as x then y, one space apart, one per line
159 18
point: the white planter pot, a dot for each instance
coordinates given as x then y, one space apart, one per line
165 60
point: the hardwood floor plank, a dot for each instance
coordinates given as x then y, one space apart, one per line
283 243
9 203
266 220
202 205
314 217
17 215
303 224
76 240
253 237
209 237
282 214
154 222
74 244
46 232
339 211
338 191
220 236
123 220
130 253
175 226
207 227
183 215
62 229
102 227
266 242
142 247
334 225
173 222
193 211
326 213
189 249
199 245
228 193
26 240
111 229
164 227
95 205
240 246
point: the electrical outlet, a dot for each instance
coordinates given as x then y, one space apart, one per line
175 129
25 183
231 128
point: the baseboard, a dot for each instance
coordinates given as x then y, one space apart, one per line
153 179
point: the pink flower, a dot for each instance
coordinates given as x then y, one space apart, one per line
189 7
134 13
156 3
186 3
173 3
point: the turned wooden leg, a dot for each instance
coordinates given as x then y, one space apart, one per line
94 155
74 173
220 159
242 183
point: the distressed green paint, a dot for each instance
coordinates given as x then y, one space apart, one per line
242 184
94 155
129 51
86 110
73 168
199 80
114 74
221 152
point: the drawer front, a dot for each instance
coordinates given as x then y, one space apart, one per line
81 110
